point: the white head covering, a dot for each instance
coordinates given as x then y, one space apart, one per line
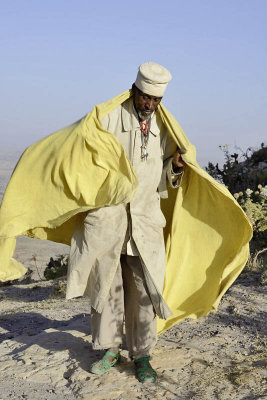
152 79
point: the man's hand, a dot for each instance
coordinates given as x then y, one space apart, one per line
177 160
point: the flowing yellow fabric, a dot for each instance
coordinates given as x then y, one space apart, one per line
82 167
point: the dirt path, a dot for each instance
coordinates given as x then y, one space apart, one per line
46 350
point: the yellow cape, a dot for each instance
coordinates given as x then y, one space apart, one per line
82 167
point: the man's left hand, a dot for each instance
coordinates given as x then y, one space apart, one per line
177 160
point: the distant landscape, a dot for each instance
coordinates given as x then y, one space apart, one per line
26 248
7 163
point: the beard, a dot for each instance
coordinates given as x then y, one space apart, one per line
144 117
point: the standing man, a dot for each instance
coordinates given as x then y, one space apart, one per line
117 254
80 184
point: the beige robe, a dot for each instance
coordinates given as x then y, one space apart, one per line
137 227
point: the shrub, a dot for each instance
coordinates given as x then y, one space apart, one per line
245 176
241 170
56 267
255 207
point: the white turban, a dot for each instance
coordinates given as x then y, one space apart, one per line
152 79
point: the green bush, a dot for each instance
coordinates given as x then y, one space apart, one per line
56 267
245 176
241 170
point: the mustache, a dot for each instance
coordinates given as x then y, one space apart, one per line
144 116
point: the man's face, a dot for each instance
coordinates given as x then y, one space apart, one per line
144 103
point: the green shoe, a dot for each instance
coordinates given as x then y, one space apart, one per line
102 366
144 371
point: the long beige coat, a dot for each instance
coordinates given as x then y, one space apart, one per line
99 238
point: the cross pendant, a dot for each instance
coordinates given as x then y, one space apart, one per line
144 153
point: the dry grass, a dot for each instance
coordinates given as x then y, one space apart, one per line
256 263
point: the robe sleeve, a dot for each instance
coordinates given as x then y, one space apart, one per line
169 177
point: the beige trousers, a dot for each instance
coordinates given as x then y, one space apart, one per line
128 299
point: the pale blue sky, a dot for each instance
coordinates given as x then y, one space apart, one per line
59 58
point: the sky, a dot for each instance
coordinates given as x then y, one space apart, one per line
60 58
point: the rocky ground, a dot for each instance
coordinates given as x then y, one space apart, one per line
45 349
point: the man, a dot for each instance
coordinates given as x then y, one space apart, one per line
80 187
123 245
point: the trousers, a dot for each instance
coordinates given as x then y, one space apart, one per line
128 301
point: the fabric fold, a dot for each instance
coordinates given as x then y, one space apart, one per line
83 167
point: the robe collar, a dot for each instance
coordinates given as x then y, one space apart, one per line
130 119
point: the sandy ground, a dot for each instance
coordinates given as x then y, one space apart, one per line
45 350
45 345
